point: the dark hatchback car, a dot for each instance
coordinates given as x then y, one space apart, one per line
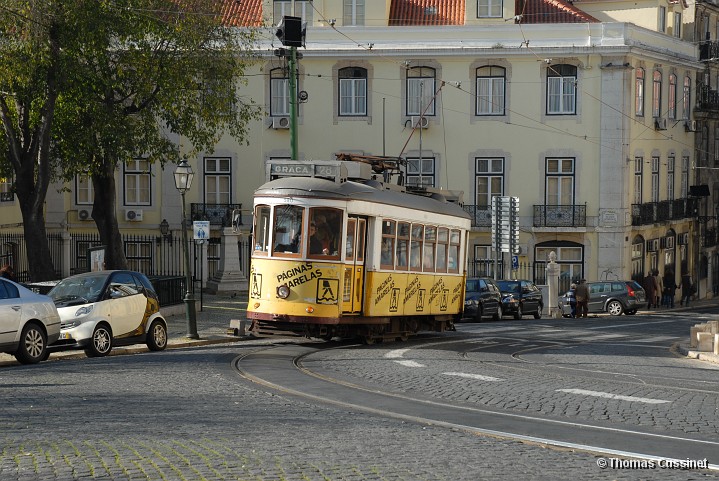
482 299
613 297
520 297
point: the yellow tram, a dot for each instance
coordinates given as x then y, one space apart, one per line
339 252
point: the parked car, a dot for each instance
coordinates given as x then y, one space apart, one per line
614 297
106 308
519 297
29 322
482 299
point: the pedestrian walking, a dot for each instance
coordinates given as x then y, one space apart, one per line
572 300
650 288
7 272
688 289
670 287
581 293
660 288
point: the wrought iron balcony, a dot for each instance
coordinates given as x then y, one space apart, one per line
662 211
217 214
709 239
708 51
707 99
573 215
481 215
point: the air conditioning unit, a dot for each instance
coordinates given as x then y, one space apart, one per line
691 125
83 214
420 122
133 215
660 124
280 122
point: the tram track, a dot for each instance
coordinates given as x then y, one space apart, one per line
281 369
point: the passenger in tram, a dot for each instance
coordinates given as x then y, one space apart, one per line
315 242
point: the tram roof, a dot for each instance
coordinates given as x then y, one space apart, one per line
373 191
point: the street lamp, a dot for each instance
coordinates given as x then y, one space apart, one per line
183 181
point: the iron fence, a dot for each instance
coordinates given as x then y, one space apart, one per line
13 251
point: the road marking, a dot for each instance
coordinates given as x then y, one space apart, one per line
613 396
478 377
614 326
410 363
396 353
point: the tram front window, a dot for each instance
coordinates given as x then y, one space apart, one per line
287 229
325 231
261 230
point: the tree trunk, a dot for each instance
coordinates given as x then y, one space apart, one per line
39 261
103 212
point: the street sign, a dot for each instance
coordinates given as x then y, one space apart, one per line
505 223
515 263
201 229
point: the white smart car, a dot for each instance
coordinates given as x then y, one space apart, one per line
102 309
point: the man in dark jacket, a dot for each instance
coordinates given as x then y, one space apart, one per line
581 293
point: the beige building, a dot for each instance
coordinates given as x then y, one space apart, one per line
584 111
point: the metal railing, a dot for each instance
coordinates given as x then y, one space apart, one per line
662 211
573 215
481 215
217 214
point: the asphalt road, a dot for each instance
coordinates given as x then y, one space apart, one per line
187 414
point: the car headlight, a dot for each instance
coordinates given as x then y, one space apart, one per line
509 299
283 291
84 310
470 302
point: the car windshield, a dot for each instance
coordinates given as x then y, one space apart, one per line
78 290
509 286
472 285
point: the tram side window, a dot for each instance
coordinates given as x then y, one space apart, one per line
453 253
430 238
387 248
287 229
442 241
261 229
350 242
326 231
402 245
415 262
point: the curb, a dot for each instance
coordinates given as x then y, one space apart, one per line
700 355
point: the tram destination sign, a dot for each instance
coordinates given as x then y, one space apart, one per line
325 170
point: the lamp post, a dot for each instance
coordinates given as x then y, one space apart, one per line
183 181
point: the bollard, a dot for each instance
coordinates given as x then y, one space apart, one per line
238 327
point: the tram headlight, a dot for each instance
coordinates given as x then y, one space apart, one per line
283 291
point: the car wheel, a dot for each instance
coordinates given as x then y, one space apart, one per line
157 336
33 345
538 312
478 316
518 313
498 314
615 308
100 342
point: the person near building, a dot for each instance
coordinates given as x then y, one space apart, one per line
687 289
670 287
581 293
650 289
572 300
7 272
660 288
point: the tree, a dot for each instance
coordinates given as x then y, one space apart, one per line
138 76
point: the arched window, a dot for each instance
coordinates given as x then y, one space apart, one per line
639 92
686 98
672 106
657 94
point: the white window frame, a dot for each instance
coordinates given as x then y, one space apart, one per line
671 161
657 94
638 177
561 90
421 173
84 190
685 177
686 98
279 93
490 171
420 91
217 180
352 93
662 19
353 13
489 9
559 181
137 172
639 92
677 31
672 104
491 90
655 179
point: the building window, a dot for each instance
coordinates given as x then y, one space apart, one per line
491 81
420 171
662 20
84 194
281 8
716 145
137 182
353 14
279 92
686 98
353 91
570 257
704 145
139 255
218 180
489 181
561 89
489 8
685 176
655 179
677 25
672 106
6 192
559 182
638 258
639 93
638 170
670 177
657 94
420 91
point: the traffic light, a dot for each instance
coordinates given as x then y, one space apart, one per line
292 31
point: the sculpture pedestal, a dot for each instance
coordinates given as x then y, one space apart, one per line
229 278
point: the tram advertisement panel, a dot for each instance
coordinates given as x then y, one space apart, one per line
314 283
406 294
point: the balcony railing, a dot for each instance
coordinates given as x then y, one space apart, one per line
662 211
708 50
560 215
481 215
217 214
707 99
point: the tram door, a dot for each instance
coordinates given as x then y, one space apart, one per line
354 266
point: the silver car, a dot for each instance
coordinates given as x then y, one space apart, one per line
613 297
29 322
